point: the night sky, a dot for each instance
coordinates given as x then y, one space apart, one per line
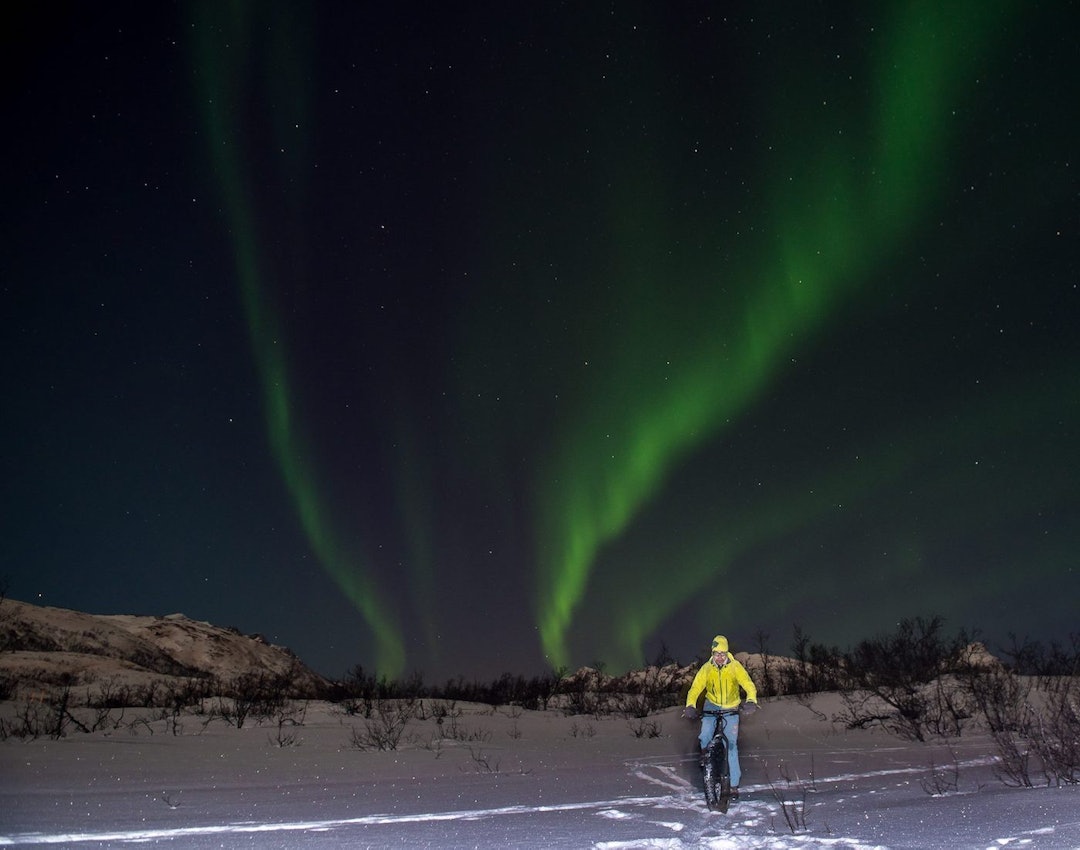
501 337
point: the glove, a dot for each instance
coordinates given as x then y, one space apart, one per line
750 707
690 713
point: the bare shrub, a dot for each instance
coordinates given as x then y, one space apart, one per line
770 683
1000 695
1053 735
442 710
30 722
586 731
816 667
51 713
109 693
656 688
258 696
582 695
949 709
452 729
383 730
941 780
638 706
483 762
790 795
1049 665
287 719
1014 759
1032 711
645 728
896 680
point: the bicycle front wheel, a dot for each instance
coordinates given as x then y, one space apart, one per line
723 771
716 777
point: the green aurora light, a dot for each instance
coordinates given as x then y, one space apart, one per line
224 63
844 195
850 207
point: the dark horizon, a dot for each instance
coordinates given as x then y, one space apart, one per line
1015 649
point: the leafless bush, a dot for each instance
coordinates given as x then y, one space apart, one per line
816 667
941 708
60 714
1000 695
101 717
435 744
942 780
443 710
661 683
770 682
258 696
584 697
482 762
645 728
655 689
1053 734
1051 666
454 730
48 715
140 723
586 731
180 694
637 706
31 721
110 693
1033 720
1014 759
791 796
900 681
386 725
950 708
794 809
357 707
287 719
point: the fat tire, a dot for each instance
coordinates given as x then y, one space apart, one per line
716 770
724 772
715 776
709 778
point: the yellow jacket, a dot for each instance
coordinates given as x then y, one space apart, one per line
721 684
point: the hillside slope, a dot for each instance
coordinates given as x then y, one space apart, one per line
44 645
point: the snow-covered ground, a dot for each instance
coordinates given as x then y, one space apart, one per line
516 779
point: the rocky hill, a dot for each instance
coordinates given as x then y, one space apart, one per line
42 646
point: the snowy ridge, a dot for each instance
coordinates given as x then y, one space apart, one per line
45 645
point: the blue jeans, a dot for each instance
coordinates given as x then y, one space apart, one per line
731 733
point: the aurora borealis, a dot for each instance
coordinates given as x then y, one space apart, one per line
472 341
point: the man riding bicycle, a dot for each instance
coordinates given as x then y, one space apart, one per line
720 678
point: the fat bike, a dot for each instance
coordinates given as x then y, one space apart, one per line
715 768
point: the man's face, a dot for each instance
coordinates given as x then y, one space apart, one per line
720 658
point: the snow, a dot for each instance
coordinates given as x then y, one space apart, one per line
513 778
